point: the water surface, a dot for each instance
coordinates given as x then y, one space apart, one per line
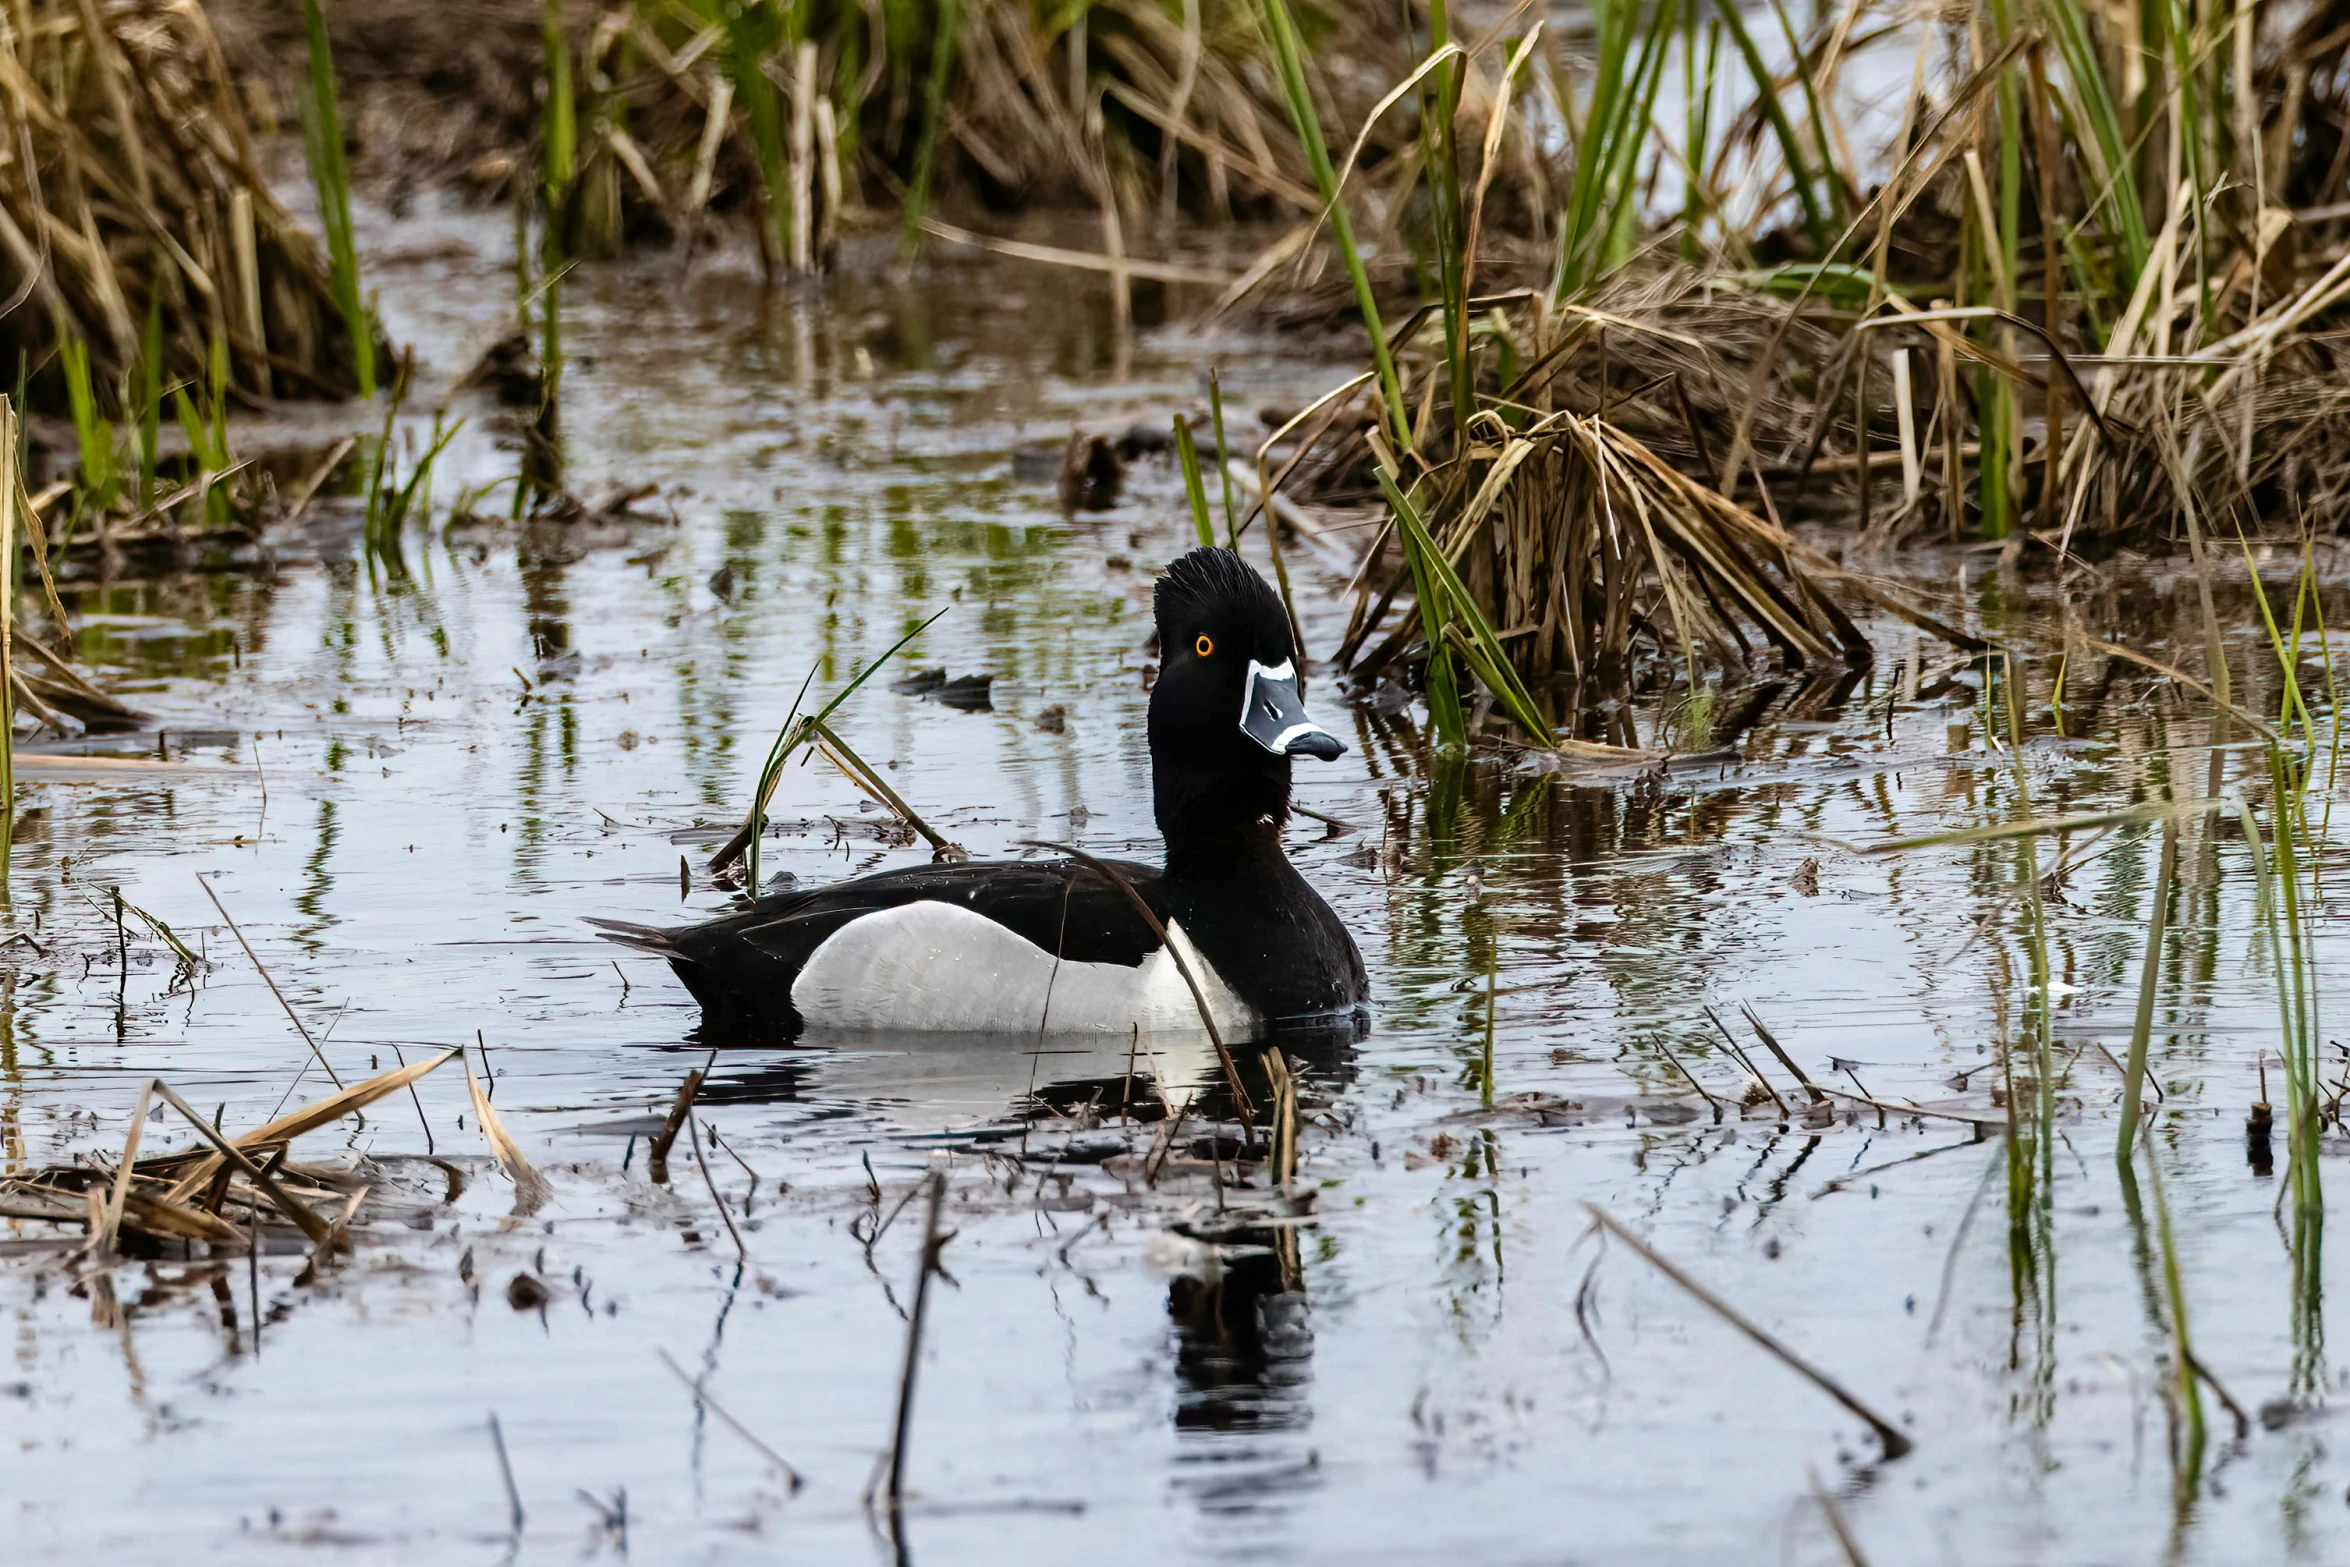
411 781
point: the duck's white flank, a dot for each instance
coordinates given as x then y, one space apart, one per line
941 967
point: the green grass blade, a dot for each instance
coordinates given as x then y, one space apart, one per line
943 39
322 124
1188 454
1457 620
1766 88
2090 107
795 733
1224 462
93 433
1289 66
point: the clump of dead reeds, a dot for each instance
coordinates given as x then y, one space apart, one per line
2062 304
221 1192
130 193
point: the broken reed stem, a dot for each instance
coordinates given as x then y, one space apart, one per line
102 1241
860 772
657 1160
2142 1024
1837 1524
422 1120
1895 1443
903 1430
311 1226
1703 1092
1755 1022
1485 1064
291 1016
1281 1162
1744 1059
530 1188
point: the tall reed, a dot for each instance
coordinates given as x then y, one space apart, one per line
1603 203
11 531
93 432
1288 58
322 126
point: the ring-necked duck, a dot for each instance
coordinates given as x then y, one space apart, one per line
1029 946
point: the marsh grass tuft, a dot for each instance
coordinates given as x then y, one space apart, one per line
322 132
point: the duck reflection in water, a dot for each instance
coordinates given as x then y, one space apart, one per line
1238 1302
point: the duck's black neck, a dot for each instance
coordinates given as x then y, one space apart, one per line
1221 820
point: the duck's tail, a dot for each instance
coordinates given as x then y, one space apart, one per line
644 938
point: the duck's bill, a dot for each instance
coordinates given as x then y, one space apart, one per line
1274 715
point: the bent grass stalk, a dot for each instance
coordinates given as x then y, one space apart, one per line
2186 1388
796 732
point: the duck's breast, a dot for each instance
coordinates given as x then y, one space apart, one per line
939 967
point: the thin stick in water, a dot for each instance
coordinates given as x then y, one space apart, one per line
702 1396
694 1140
291 1015
657 1163
1837 1525
1894 1441
1756 1023
1745 1060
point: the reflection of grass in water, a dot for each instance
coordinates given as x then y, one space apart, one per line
2031 1139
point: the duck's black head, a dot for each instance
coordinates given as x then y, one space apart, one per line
1228 711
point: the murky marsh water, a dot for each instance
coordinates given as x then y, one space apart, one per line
409 787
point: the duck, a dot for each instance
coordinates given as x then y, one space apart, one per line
1058 945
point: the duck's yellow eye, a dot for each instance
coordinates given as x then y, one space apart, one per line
1204 646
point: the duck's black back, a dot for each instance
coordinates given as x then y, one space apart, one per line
740 966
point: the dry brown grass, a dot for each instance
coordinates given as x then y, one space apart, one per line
128 173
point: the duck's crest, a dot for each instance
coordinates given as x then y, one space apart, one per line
1216 582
